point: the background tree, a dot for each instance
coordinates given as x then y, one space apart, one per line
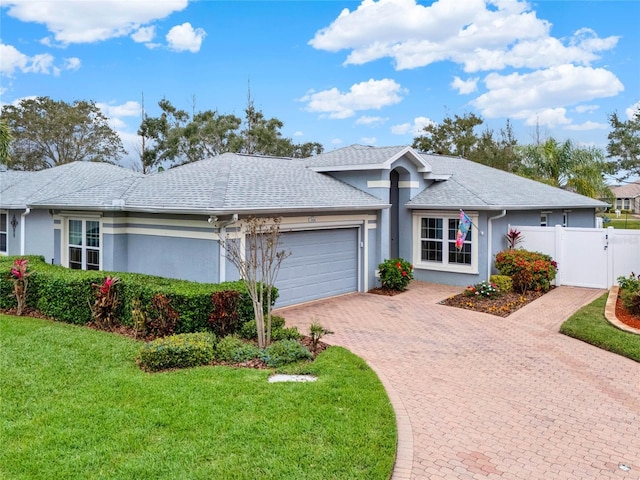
624 143
454 136
580 169
178 137
5 142
47 133
457 137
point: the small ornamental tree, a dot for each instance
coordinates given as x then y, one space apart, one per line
20 277
258 264
395 274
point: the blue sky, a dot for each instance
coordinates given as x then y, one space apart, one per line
337 72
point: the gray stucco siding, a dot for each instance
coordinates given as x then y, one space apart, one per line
174 257
39 234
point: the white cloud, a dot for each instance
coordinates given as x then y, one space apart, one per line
72 63
549 117
371 121
586 108
632 110
91 21
127 109
369 95
415 129
369 140
527 96
13 59
480 35
298 134
589 125
185 37
337 141
465 87
144 34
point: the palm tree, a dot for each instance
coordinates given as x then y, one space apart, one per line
579 169
5 141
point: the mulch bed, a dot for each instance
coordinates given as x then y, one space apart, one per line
502 306
625 316
384 291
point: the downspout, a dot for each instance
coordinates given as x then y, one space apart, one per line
222 233
23 231
489 239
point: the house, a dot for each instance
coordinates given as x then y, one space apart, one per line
627 197
343 212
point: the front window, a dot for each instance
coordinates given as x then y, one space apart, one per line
4 219
436 246
84 244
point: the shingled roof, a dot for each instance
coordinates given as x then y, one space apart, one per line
475 186
229 183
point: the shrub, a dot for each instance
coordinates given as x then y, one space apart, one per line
249 331
225 316
105 303
20 278
529 270
630 283
482 289
233 349
285 333
503 282
177 351
285 351
162 318
395 274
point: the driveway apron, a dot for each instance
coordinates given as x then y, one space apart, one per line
483 397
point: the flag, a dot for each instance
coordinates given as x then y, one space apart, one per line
463 229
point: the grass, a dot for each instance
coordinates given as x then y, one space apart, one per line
628 222
590 325
75 405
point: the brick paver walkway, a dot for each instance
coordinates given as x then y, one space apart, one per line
483 397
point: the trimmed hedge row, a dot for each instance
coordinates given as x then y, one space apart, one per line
66 295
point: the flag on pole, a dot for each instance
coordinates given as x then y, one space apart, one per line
463 229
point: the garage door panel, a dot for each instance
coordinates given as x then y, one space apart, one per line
322 263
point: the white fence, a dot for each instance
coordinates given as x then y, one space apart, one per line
587 257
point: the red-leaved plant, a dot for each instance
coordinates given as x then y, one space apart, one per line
20 276
105 303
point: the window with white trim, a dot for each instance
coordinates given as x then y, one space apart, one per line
83 243
435 247
544 219
4 228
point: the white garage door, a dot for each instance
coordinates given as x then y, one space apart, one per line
322 263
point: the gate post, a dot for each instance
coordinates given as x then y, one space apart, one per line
610 246
559 257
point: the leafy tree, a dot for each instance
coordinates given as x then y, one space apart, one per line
454 136
47 133
624 143
457 137
580 169
177 137
5 142
500 152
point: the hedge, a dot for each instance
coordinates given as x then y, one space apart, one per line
66 294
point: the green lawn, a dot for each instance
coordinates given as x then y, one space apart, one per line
73 404
590 325
628 222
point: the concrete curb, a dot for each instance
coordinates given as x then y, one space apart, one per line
610 312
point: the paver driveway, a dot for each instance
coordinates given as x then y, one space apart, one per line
484 397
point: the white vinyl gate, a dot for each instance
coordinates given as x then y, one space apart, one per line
587 257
